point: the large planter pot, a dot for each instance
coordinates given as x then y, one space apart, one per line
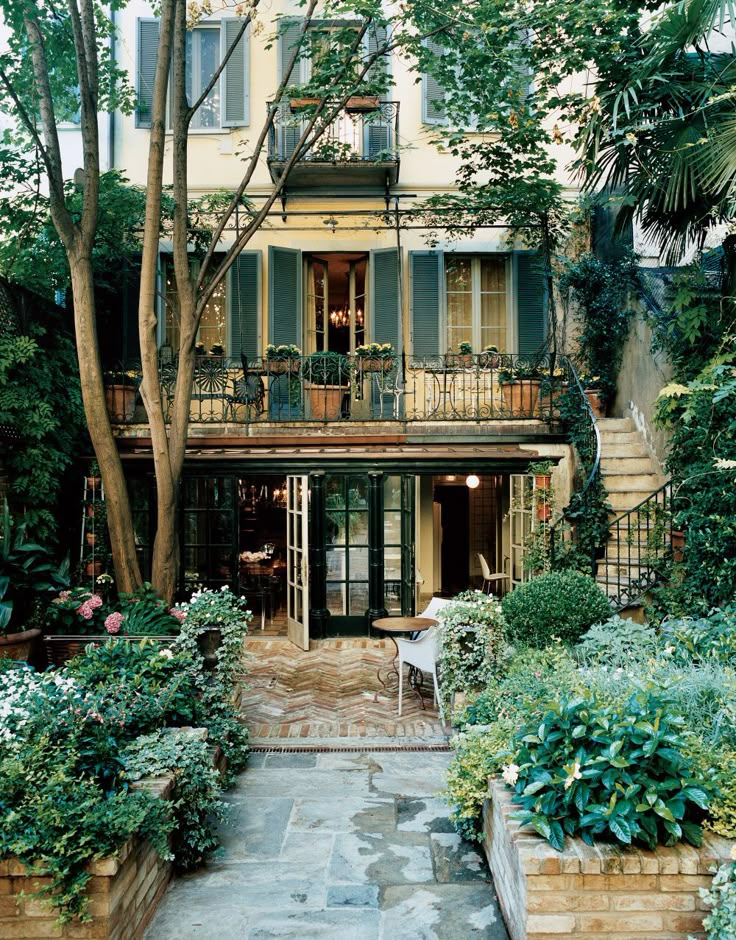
282 366
60 649
18 645
375 364
595 400
326 401
521 397
120 400
209 643
677 539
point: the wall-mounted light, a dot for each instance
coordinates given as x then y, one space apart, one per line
472 481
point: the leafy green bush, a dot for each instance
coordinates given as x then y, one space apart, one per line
607 772
699 639
618 641
560 604
472 634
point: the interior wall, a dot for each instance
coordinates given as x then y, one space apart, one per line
424 555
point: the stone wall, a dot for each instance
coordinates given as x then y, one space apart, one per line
594 893
123 893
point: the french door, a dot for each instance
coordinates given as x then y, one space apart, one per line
522 523
297 560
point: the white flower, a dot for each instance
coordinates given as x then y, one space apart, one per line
166 653
510 774
572 774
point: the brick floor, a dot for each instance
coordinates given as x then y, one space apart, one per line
332 691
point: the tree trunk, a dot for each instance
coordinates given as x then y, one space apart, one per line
119 517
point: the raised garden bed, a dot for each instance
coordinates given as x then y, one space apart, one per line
594 892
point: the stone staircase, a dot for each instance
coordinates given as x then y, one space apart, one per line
631 476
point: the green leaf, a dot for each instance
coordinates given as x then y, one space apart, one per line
620 829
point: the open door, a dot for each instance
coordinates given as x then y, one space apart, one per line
297 560
522 523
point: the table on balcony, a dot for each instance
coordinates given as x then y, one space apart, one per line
456 392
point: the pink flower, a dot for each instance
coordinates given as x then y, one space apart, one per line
95 601
113 622
178 613
85 611
65 595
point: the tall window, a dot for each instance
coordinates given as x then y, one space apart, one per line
203 58
213 325
477 303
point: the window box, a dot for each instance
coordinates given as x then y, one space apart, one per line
361 103
298 104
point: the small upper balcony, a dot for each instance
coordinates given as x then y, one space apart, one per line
261 395
359 148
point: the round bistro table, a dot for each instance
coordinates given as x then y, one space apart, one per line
395 625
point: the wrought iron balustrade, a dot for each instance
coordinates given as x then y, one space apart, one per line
474 388
368 134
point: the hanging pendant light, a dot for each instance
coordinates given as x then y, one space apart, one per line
472 481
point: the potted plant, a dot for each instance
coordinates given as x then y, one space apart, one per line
27 572
489 358
283 358
521 388
375 357
463 359
591 387
200 349
541 470
210 617
121 391
217 349
361 103
93 479
327 374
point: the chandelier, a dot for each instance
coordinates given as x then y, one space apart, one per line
340 316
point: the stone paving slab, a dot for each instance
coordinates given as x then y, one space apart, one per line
336 846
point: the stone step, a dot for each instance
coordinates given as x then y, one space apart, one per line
623 500
616 424
625 463
618 481
619 438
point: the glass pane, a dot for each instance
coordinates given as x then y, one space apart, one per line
358 564
220 527
358 527
336 563
392 493
392 600
336 598
392 564
335 526
358 599
209 58
334 492
457 273
358 493
392 528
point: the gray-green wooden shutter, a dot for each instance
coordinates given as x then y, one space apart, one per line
244 306
426 292
288 39
236 78
148 31
284 296
531 303
385 302
378 127
433 93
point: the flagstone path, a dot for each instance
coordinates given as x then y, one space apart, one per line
336 846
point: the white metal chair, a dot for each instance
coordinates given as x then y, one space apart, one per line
490 579
421 654
434 606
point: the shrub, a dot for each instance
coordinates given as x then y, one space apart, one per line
618 642
472 636
560 604
607 772
699 639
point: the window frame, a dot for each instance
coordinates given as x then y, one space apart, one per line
475 292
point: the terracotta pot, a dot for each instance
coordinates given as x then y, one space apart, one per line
90 538
120 400
296 104
60 649
91 511
375 364
677 540
18 645
362 103
542 481
595 400
543 511
326 401
93 484
489 360
282 366
93 569
521 397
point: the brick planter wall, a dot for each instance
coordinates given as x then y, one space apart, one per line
594 892
123 891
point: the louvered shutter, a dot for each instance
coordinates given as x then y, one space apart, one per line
236 79
427 277
433 93
148 32
531 303
385 303
244 306
284 296
289 127
378 127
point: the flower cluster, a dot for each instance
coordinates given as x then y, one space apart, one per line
375 351
283 351
113 622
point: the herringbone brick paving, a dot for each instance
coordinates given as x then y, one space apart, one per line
331 691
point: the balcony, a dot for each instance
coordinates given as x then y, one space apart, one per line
359 148
402 391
